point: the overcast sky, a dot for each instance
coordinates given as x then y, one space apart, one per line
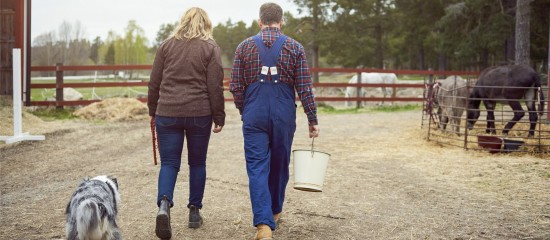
98 17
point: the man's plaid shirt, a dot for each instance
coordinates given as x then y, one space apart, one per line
291 64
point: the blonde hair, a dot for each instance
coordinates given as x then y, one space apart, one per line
194 24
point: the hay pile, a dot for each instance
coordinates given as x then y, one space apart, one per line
114 110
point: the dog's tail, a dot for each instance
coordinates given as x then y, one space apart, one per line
89 220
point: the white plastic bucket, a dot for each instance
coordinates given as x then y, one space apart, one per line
310 167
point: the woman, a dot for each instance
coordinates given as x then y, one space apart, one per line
185 97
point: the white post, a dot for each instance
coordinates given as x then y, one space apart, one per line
18 134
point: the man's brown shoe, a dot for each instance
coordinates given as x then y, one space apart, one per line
263 232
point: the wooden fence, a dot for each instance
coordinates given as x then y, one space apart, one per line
60 69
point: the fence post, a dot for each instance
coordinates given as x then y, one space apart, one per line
548 83
359 81
466 130
58 85
18 134
548 97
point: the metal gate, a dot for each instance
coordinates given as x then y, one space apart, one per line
478 137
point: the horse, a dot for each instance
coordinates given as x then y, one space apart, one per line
506 84
452 94
386 78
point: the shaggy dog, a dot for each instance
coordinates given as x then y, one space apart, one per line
92 210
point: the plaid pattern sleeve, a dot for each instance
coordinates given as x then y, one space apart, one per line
303 86
237 83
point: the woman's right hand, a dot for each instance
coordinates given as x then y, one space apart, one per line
217 129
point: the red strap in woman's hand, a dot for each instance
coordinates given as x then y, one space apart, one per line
153 133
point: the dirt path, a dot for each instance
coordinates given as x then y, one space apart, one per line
384 182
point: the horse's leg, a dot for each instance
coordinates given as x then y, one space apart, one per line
348 94
490 106
364 95
385 93
457 113
518 114
533 116
444 120
457 125
392 93
447 117
440 116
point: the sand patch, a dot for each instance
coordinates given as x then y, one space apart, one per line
31 123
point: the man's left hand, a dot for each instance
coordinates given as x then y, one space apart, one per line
314 131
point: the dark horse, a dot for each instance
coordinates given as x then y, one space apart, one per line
506 84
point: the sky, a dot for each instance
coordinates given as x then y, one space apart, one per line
98 17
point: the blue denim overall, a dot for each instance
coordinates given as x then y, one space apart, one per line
269 123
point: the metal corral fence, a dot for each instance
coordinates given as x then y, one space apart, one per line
445 121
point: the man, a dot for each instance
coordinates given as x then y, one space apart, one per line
266 70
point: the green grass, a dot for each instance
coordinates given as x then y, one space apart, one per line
52 113
413 77
397 108
335 77
42 94
323 108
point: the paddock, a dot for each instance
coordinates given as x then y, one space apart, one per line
384 181
477 138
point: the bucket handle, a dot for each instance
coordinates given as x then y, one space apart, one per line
312 141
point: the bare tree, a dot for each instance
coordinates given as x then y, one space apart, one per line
64 38
522 32
73 48
79 31
44 51
78 47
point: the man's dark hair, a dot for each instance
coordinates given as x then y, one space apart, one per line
270 13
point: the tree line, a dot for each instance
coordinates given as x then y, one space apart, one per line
390 34
69 47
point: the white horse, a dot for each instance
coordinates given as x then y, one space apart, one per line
385 78
452 93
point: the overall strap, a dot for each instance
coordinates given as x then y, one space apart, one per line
269 56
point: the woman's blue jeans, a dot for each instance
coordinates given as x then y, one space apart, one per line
171 133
